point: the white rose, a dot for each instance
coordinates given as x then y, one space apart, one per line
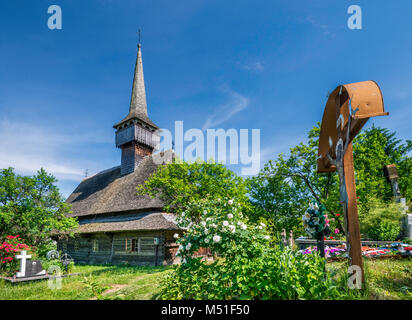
244 227
205 212
216 238
206 231
230 216
176 236
206 240
232 228
183 214
267 237
260 227
225 223
230 201
262 224
203 223
239 223
189 245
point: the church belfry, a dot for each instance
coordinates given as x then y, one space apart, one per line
135 134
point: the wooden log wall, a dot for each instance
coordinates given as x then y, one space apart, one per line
116 248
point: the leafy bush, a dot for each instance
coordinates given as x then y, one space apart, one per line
379 220
246 266
276 274
385 231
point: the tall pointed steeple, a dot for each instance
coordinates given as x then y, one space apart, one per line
135 134
138 106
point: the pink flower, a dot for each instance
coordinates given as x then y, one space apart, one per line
336 231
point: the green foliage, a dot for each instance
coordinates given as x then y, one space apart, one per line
10 247
276 274
32 207
284 187
220 226
178 184
95 287
246 266
380 220
372 150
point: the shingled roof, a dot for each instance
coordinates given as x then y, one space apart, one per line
145 221
110 192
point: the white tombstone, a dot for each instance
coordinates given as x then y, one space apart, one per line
23 256
408 218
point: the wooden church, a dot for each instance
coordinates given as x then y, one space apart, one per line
115 225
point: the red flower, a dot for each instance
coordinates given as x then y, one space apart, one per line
338 214
331 237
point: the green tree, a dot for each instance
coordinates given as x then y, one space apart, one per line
284 187
179 184
372 150
380 220
32 207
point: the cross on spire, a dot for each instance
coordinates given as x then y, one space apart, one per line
140 37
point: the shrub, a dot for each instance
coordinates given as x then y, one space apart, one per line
11 246
379 220
277 274
246 266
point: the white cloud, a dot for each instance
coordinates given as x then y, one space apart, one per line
27 148
224 112
254 66
324 27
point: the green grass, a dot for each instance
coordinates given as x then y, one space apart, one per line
116 282
387 279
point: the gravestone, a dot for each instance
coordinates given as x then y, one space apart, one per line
408 218
29 268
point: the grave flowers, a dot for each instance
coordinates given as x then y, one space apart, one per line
11 246
315 222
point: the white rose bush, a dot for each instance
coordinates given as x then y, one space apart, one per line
220 226
246 263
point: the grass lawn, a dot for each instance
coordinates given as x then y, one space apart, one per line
116 282
387 279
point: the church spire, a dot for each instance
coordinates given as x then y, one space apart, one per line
138 105
136 134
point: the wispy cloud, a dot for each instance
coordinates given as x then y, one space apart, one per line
224 112
27 148
252 67
323 27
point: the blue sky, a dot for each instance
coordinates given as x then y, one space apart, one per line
229 64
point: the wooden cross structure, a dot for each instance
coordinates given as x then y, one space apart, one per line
347 110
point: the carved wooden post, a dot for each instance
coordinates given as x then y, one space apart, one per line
284 241
353 240
347 110
291 240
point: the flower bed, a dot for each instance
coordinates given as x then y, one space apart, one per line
11 246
